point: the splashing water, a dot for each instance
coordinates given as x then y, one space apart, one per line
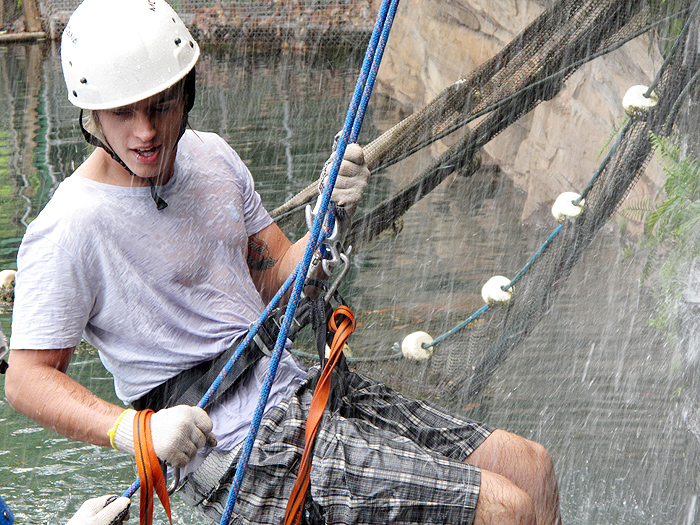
592 382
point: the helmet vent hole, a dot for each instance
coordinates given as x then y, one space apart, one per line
75 94
83 80
178 41
191 44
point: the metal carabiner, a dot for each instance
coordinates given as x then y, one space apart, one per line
310 216
175 482
339 278
331 243
338 256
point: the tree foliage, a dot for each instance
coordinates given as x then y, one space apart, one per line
672 228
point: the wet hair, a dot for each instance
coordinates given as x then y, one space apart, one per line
189 90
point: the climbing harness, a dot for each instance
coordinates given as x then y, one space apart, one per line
189 386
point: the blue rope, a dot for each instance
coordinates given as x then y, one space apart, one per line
534 257
353 121
603 164
378 51
373 56
457 328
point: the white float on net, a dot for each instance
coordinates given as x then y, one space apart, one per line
412 346
635 102
496 290
7 278
564 207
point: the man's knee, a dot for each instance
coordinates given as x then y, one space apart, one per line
502 502
542 460
506 454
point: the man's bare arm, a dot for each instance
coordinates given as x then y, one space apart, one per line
36 385
272 258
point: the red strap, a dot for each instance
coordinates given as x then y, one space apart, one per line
318 405
150 472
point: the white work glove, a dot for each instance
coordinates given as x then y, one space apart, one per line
105 510
177 432
350 182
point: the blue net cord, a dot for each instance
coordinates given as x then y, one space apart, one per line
537 254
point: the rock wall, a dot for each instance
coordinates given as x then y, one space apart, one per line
556 147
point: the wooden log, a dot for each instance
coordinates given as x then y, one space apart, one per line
31 16
21 37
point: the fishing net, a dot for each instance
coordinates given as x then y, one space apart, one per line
531 69
11 16
297 22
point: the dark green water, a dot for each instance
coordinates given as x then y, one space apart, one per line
593 382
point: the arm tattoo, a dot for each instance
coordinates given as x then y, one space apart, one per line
258 254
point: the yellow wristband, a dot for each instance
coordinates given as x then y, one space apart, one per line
112 431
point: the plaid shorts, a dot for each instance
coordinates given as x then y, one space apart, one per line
379 458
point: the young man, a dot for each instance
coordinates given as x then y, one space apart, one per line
158 250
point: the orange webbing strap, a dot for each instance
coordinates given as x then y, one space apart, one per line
318 405
150 472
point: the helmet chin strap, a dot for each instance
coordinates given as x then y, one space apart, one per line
91 139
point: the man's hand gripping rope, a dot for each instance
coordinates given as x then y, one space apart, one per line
172 435
349 187
103 510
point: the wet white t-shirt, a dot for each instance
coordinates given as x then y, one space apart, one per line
156 292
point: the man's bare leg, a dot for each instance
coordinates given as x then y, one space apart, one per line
501 502
528 465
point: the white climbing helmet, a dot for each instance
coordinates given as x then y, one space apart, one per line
117 52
